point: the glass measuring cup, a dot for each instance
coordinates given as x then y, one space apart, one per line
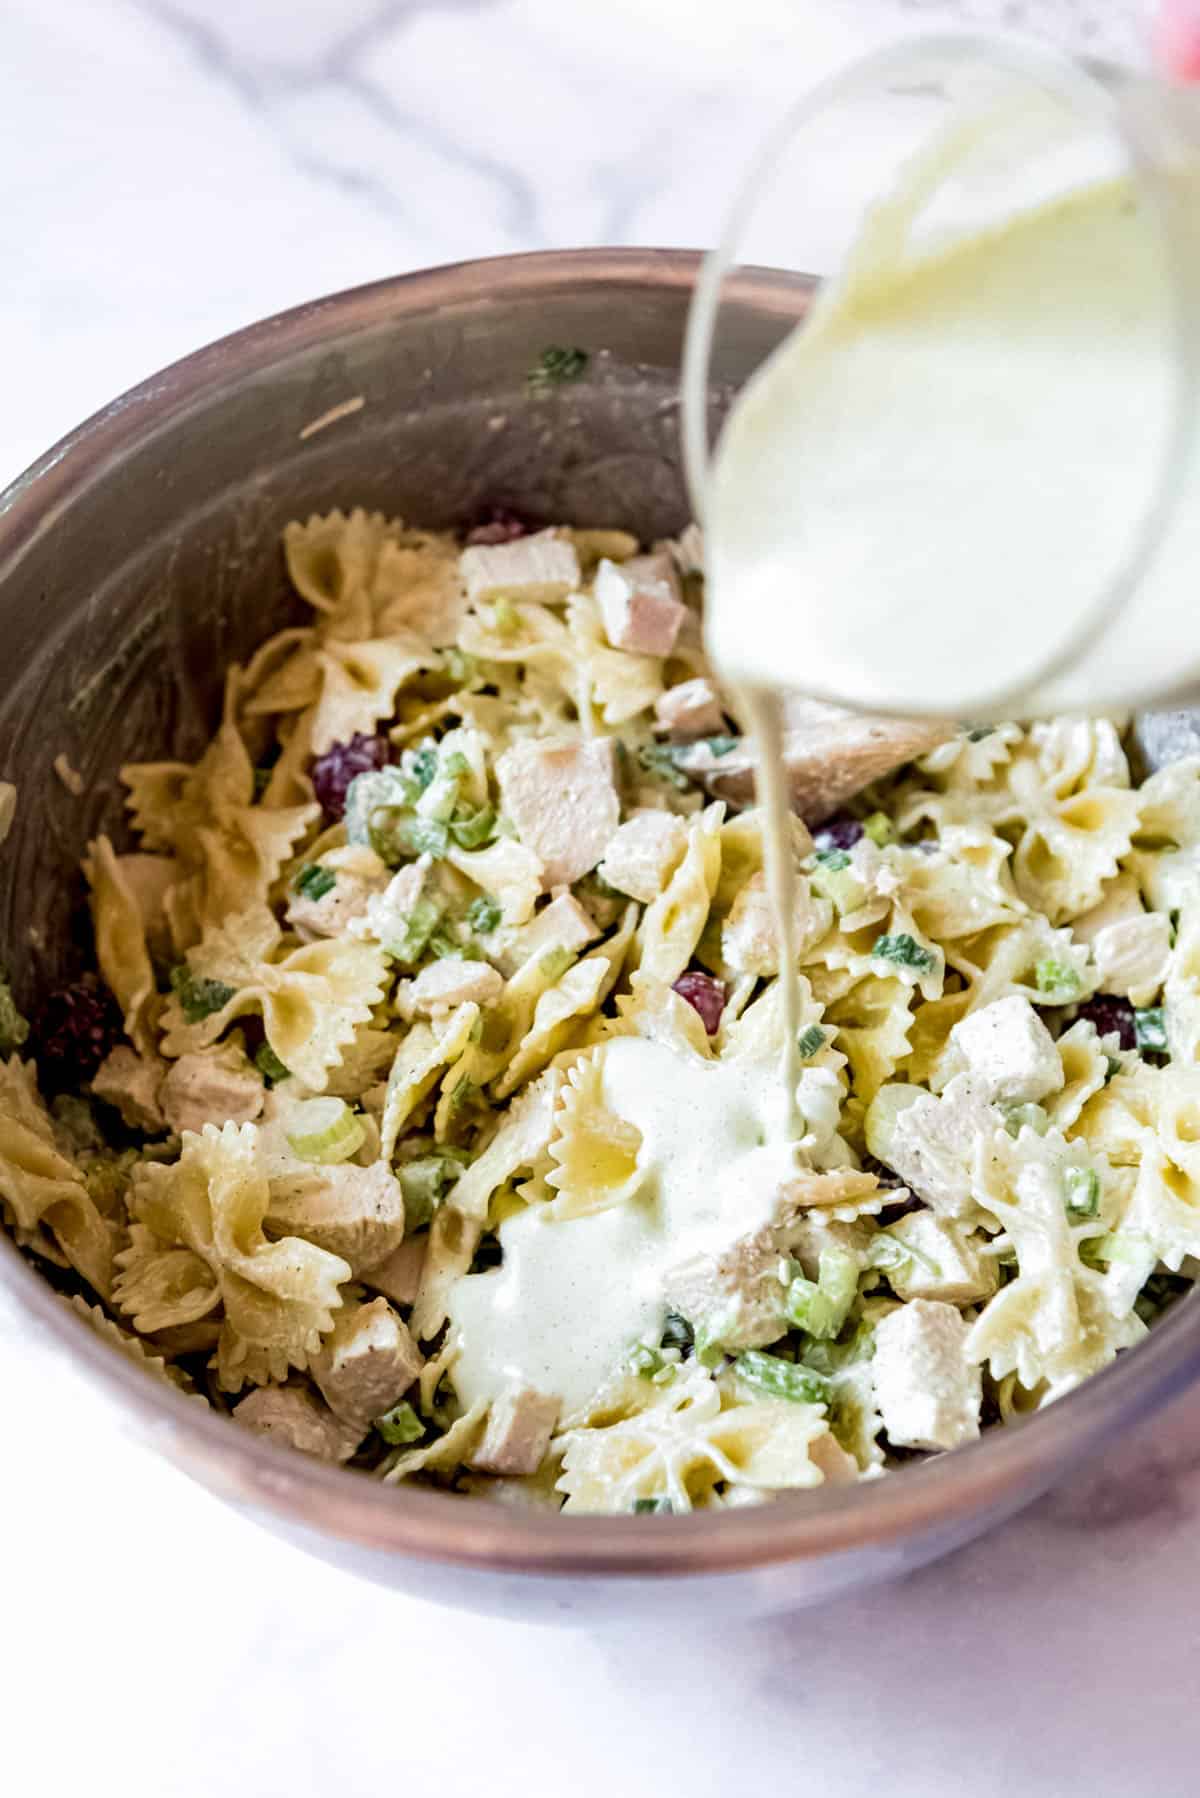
1080 596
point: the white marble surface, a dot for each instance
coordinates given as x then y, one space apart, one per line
172 170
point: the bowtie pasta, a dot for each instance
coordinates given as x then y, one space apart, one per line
418 1111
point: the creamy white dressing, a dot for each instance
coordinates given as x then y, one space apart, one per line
573 1295
920 497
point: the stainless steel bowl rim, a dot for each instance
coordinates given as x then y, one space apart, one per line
1007 1465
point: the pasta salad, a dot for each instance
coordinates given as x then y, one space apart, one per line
420 1109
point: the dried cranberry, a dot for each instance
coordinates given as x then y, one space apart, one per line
75 1029
333 771
1109 1014
705 995
839 832
500 526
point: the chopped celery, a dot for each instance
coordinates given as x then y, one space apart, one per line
483 914
325 1131
420 766
198 998
1151 1030
880 1121
781 1379
419 926
269 1064
454 766
880 829
810 1041
1056 980
412 835
1023 1115
653 1507
905 952
313 881
555 962
719 746
1081 1185
400 1425
820 1307
834 878
448 948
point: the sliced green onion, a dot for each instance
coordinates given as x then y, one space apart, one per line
556 365
471 829
198 998
421 766
904 951
834 860
677 1332
483 914
880 829
325 1131
1151 1030
652 1507
1055 980
1081 1186
313 881
782 1379
414 835
719 746
976 733
662 761
645 1361
400 1425
269 1064
810 1041
425 1183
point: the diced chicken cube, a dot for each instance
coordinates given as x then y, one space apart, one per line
643 853
640 604
813 1233
1009 1053
519 1427
734 1298
749 942
132 1083
946 1261
386 915
367 1363
931 1142
563 924
543 567
562 798
447 983
354 1212
829 754
1133 956
213 1086
334 911
689 710
398 1276
298 1419
927 1392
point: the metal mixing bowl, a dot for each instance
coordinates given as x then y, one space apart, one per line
140 556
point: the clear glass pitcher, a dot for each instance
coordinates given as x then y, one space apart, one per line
985 128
